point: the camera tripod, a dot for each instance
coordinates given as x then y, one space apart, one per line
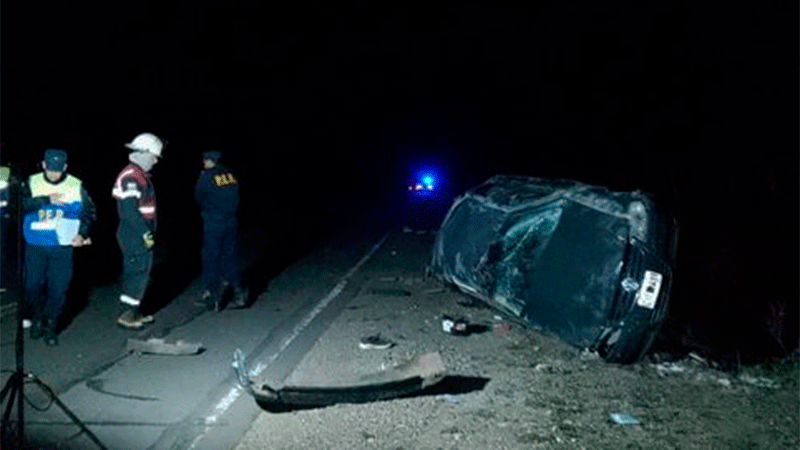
14 437
12 434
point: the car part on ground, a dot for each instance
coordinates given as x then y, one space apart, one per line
160 346
593 266
415 375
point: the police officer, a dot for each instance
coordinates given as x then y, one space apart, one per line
136 207
58 215
217 193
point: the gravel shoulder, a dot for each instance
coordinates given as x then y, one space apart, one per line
514 387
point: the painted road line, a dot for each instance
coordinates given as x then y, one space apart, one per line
235 392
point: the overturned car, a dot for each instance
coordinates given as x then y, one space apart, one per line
592 266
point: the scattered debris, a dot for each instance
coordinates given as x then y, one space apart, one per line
454 326
502 327
760 381
698 358
589 355
623 419
375 342
698 368
668 368
449 398
160 346
724 381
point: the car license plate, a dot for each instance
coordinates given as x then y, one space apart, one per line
648 292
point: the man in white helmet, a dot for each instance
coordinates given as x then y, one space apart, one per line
136 206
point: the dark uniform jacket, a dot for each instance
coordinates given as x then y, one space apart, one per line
136 205
217 193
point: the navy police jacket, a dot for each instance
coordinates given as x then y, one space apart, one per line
217 193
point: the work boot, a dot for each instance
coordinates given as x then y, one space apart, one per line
50 338
37 330
216 298
239 297
205 298
134 319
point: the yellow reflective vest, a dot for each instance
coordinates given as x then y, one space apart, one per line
53 224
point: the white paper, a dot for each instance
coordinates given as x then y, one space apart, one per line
66 230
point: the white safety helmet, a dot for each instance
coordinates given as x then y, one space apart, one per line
146 142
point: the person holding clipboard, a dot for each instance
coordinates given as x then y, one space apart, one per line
58 214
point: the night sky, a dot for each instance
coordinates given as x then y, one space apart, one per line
321 108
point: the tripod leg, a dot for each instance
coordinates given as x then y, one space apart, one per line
20 413
69 413
9 387
14 388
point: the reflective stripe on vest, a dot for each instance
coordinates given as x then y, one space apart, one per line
121 193
52 224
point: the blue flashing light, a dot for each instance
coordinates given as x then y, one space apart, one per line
424 181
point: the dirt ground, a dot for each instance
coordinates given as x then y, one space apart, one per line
515 387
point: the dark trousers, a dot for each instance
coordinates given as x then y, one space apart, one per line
47 269
219 255
136 274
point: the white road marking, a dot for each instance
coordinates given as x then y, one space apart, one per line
225 403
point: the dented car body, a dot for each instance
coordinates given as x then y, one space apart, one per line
592 266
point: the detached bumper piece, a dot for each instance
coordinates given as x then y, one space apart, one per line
161 347
413 376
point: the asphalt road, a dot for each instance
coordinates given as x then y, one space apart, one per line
132 400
